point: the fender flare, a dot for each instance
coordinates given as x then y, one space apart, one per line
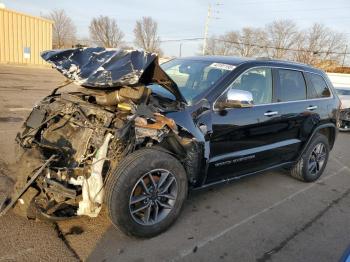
315 131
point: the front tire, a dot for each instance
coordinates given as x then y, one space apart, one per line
313 161
146 192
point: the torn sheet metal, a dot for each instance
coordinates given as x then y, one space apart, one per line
110 68
159 123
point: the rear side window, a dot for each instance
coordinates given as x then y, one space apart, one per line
317 87
291 86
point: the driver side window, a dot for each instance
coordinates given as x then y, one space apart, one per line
257 81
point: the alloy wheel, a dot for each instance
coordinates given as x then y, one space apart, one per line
317 159
153 197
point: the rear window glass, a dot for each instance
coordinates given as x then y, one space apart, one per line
291 86
317 87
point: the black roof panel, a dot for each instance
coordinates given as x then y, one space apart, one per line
220 59
262 61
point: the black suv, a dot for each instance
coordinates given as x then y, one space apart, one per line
146 133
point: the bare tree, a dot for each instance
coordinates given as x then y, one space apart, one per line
246 43
318 44
220 45
64 30
282 35
105 32
227 43
146 35
250 42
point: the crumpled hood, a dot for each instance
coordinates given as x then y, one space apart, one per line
110 68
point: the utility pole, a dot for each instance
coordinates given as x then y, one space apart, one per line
346 49
180 50
206 29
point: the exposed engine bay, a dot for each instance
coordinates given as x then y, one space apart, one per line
85 134
344 118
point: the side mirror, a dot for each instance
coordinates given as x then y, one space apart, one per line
236 99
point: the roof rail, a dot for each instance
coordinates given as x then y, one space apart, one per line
264 58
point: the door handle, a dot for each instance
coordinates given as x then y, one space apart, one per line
311 107
271 113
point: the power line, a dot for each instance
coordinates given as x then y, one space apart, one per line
281 48
310 10
267 2
182 39
257 45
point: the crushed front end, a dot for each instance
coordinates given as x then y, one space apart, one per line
85 134
84 138
344 119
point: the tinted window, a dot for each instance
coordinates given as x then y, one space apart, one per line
291 86
317 87
258 81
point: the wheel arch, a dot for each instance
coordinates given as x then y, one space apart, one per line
330 133
188 152
329 130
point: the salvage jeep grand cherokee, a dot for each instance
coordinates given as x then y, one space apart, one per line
137 135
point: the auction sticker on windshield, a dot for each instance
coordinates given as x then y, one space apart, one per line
223 66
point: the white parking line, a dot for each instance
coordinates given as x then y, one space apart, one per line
15 109
338 161
212 238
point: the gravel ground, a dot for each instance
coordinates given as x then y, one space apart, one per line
20 239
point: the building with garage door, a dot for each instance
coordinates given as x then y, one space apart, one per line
23 37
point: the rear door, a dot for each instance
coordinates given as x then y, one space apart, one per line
291 96
320 99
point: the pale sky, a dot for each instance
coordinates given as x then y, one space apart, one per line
179 19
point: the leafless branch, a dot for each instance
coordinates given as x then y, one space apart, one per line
105 32
281 35
317 45
64 30
146 35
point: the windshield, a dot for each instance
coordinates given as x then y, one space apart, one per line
343 92
194 77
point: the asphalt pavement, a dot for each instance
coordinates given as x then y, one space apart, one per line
267 217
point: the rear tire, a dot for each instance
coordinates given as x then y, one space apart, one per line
313 161
159 180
